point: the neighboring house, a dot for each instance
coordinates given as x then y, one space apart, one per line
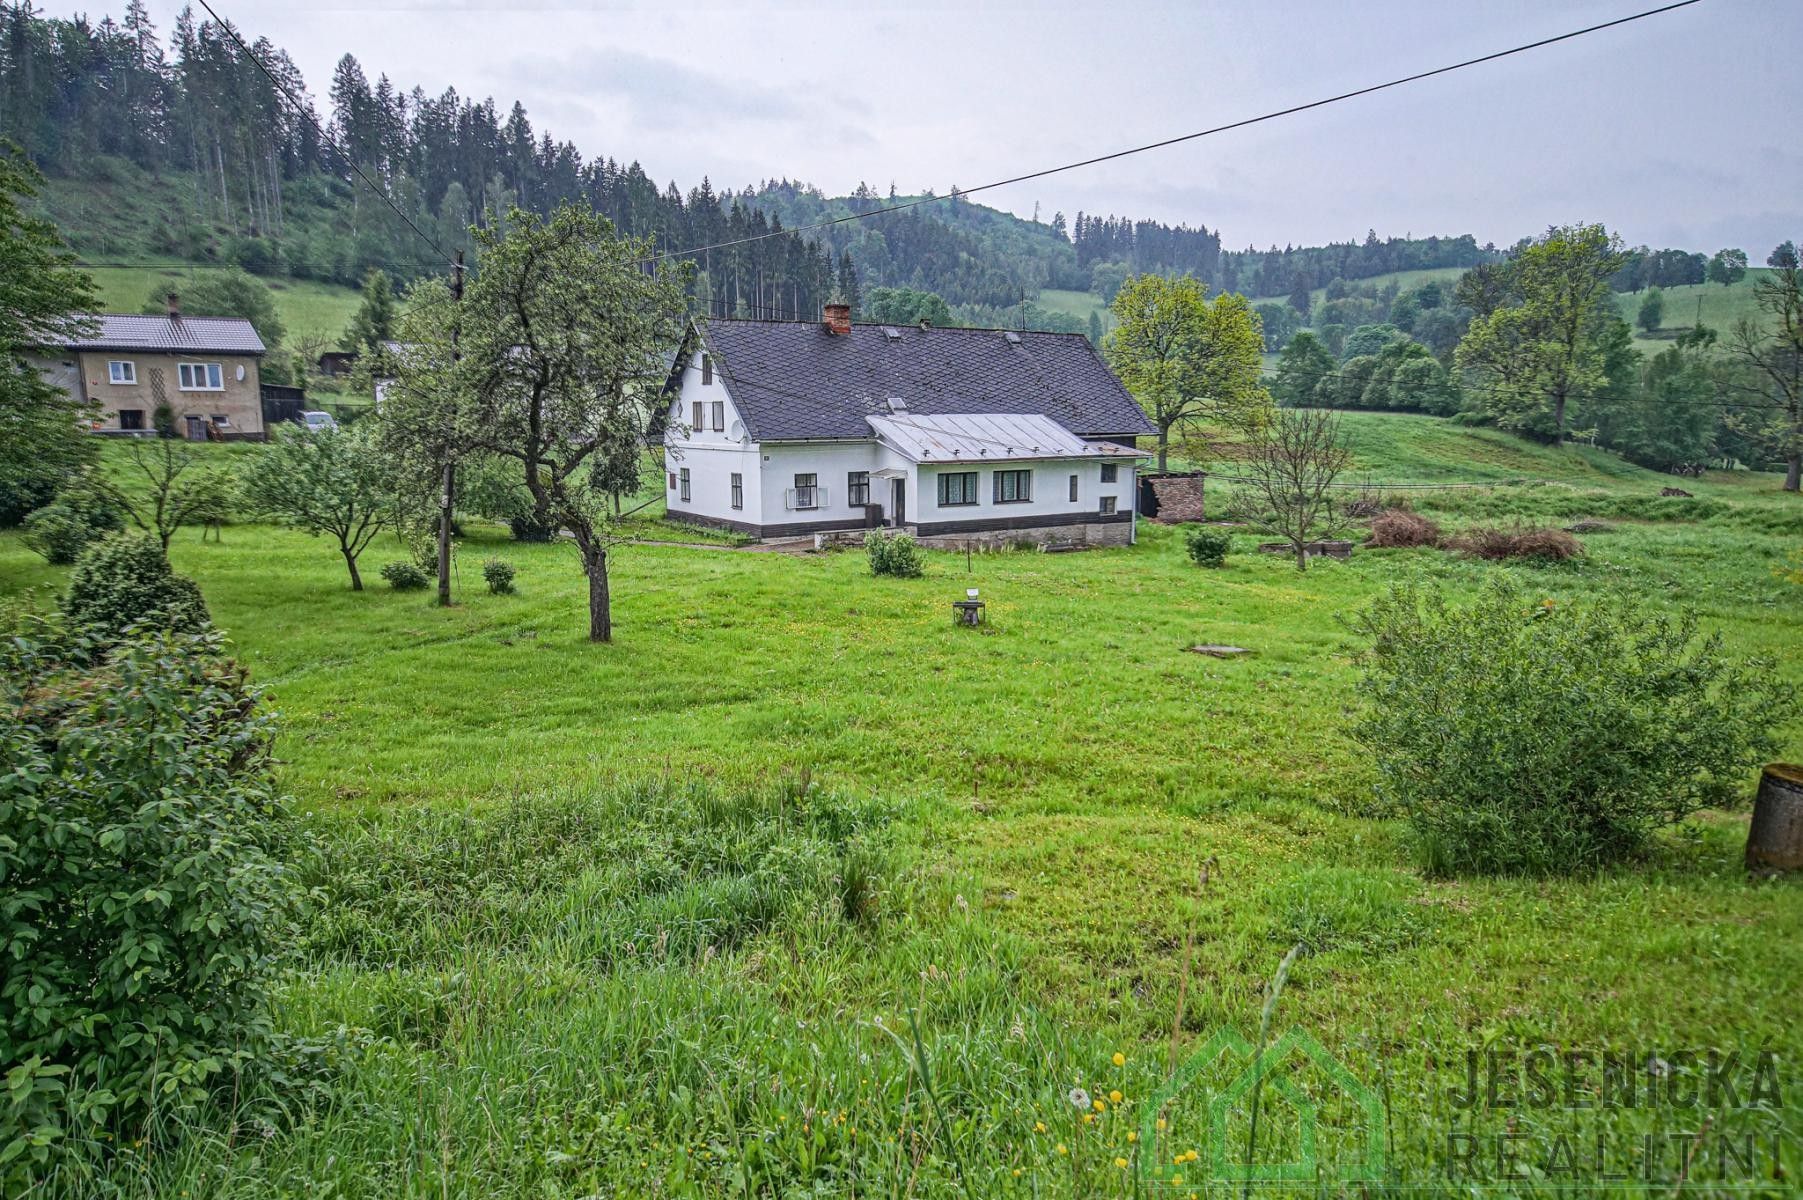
336 363
203 368
779 428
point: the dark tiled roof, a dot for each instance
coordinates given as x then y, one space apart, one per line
791 380
166 335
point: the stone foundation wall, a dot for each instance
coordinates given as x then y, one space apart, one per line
1077 537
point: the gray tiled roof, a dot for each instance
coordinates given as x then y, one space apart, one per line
791 380
166 335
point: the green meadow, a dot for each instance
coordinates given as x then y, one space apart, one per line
798 889
308 309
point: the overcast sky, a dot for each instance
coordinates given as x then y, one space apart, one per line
1678 130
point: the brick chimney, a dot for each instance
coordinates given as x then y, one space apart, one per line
175 306
838 319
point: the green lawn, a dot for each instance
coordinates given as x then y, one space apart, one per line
1077 304
502 1015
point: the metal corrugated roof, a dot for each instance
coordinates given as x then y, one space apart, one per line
171 335
986 437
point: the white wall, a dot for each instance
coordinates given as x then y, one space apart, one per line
1051 491
710 456
831 462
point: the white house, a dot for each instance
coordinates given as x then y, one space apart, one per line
779 428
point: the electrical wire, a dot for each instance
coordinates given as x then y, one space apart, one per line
1187 137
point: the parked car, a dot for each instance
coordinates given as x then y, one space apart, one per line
318 420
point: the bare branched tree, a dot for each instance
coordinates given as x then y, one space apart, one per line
176 491
1773 351
1287 478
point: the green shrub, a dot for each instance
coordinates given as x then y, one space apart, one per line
528 529
142 847
893 554
404 576
499 573
123 580
1537 737
80 515
1208 547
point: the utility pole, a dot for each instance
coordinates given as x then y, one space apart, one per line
448 492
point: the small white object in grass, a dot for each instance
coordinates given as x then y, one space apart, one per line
971 593
1079 1099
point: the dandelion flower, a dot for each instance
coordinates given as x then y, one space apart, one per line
1121 1163
1114 1097
1120 1060
1132 1137
1079 1098
1192 1156
1039 1127
1161 1124
1176 1179
1089 1118
1099 1106
1063 1149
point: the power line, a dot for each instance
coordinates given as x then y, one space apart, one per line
325 138
1187 137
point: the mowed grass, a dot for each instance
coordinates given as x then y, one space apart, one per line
307 308
1042 799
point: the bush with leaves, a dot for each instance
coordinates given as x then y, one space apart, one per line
142 845
893 554
123 580
404 576
81 515
499 574
1208 547
1523 736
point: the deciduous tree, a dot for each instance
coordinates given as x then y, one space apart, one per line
1772 351
564 336
42 297
1186 359
1301 370
1532 355
1288 477
1652 310
323 481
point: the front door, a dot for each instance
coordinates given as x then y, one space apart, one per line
197 429
898 504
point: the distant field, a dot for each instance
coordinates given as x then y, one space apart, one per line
1720 308
307 308
1078 304
1404 279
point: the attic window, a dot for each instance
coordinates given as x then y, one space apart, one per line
897 404
892 333
1013 338
707 369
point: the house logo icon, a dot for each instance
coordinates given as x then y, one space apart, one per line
1273 1067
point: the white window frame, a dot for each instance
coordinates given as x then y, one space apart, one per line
683 485
207 372
1108 506
738 490
121 371
719 416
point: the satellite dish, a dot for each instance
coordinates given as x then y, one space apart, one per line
240 372
738 431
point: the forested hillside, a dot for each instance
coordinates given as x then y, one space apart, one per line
117 109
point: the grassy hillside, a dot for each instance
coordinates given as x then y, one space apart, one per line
1408 447
1402 279
307 308
1077 304
1720 308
